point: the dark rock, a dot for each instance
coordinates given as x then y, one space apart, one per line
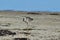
6 32
33 13
12 33
54 14
20 38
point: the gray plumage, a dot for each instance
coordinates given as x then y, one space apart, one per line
27 19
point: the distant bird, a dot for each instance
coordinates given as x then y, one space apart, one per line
27 19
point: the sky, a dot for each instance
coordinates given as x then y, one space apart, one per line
30 5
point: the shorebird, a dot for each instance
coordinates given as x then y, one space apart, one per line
27 20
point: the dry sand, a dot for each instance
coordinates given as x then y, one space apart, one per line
43 27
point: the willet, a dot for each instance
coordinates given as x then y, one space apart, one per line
27 20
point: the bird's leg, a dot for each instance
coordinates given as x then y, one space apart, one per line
27 29
27 25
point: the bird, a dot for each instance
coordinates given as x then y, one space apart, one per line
27 19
